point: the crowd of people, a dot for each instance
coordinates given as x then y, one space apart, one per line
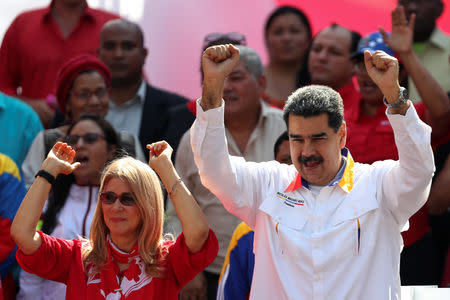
323 174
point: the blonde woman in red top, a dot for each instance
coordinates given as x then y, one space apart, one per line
127 256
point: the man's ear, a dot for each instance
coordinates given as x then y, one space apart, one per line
262 82
144 55
342 131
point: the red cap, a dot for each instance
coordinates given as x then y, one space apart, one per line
71 69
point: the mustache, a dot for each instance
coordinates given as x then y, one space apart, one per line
307 159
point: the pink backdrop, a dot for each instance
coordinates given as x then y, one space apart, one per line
175 30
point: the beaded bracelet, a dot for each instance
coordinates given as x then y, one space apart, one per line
174 186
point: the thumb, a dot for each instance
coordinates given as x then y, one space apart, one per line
75 165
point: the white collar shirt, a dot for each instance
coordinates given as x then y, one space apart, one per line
344 242
127 117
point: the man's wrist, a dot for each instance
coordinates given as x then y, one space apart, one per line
392 94
211 94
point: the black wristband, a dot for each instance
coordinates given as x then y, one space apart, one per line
46 175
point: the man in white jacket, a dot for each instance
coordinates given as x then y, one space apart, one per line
325 227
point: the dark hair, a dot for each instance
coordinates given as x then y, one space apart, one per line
314 100
284 10
303 77
283 137
60 190
354 37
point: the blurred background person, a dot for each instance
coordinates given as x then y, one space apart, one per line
288 37
37 44
19 125
136 106
329 61
431 45
12 191
180 117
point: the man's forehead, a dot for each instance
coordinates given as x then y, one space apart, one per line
239 69
119 31
339 37
310 125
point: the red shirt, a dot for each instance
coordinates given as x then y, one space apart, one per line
60 260
370 139
350 97
33 49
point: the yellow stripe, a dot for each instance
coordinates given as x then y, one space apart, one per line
7 165
346 182
241 230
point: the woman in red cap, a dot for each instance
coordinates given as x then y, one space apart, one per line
82 86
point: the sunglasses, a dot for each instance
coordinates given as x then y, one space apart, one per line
236 37
88 138
125 199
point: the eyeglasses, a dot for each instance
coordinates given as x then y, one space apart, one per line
235 37
85 95
88 138
126 199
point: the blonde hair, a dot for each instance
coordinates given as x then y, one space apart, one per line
146 188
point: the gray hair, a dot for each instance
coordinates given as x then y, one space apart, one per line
314 100
251 61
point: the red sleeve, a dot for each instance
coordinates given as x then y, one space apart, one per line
52 260
186 265
9 60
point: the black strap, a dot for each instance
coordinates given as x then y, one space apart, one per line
46 175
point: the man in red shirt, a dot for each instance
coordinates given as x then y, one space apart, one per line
329 61
370 137
39 41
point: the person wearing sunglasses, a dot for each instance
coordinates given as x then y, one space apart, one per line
82 86
127 255
71 201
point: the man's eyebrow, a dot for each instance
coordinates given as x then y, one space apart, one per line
236 72
316 135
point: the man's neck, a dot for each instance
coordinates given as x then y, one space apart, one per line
422 37
286 68
67 16
241 127
120 95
